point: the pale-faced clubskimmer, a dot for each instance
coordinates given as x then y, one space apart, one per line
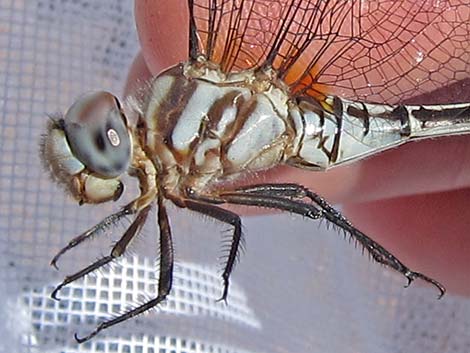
264 85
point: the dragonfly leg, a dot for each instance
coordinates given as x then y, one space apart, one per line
140 203
202 205
290 195
118 249
228 217
164 281
101 226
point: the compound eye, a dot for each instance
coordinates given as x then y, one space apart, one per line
97 134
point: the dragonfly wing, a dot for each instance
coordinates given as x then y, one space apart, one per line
246 34
383 51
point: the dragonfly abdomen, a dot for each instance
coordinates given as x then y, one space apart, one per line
342 131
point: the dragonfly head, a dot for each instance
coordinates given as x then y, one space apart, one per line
89 148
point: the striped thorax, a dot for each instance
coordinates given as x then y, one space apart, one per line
204 126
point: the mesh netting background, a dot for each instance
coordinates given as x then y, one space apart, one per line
299 288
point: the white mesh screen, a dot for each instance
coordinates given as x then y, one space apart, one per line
299 288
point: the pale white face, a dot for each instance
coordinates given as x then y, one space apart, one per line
89 148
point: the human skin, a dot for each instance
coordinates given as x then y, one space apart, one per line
412 200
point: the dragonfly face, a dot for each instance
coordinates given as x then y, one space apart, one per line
254 93
89 148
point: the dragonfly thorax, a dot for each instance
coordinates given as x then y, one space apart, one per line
203 126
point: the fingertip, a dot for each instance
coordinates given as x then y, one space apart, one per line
162 27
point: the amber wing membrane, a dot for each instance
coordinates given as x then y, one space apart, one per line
376 51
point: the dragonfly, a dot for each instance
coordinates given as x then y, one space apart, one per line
258 91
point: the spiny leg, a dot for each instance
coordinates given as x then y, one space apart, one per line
117 250
223 215
294 191
105 223
165 277
226 217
